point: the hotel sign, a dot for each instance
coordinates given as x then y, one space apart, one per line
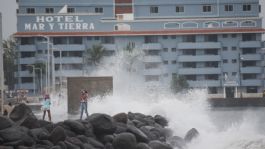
60 22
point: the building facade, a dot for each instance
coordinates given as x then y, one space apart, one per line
213 43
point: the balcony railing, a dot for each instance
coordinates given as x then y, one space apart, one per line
205 83
250 44
198 58
27 48
251 69
186 71
151 46
154 58
199 45
252 82
250 57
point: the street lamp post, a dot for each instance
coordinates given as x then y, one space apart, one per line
34 84
1 67
40 78
239 75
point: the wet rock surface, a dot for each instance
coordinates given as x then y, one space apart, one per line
100 131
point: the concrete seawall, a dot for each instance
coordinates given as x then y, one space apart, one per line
237 102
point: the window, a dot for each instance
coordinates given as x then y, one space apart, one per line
49 10
151 65
173 36
59 40
211 51
225 61
189 38
246 7
249 51
210 38
150 39
211 64
252 89
207 8
225 48
189 65
234 73
97 38
173 49
229 7
98 10
190 77
165 62
27 54
179 8
30 10
17 10
189 52
248 37
164 37
153 9
211 77
225 35
165 49
174 62
27 41
233 35
70 10
234 48
250 76
26 79
108 40
234 60
249 63
89 38
212 90
75 40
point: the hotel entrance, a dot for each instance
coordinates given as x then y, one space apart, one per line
230 92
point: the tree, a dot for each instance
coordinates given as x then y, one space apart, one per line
10 68
94 54
131 56
179 84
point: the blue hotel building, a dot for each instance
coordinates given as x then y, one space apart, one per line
213 43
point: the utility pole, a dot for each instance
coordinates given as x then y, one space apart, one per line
1 67
34 82
40 78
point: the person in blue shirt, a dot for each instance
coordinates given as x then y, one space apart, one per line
46 103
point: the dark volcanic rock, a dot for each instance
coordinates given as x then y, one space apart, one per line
75 141
124 141
23 116
95 143
161 120
5 123
121 117
38 132
121 127
75 126
191 134
6 147
108 146
140 136
102 124
71 145
57 135
15 135
159 145
142 146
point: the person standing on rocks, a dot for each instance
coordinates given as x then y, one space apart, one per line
46 104
83 103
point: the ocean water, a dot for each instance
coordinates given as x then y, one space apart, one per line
219 128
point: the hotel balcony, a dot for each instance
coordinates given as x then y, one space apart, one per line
109 47
30 60
150 59
199 45
251 57
24 86
27 48
250 44
155 71
69 47
187 71
198 58
68 60
251 69
205 83
151 46
254 82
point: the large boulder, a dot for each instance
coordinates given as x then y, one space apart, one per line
124 141
5 123
23 116
58 134
159 145
140 136
191 134
102 124
37 132
75 141
95 143
161 120
75 126
121 117
12 134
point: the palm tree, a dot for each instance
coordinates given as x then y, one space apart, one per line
10 68
179 84
94 54
132 56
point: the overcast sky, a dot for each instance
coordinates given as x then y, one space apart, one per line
8 10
